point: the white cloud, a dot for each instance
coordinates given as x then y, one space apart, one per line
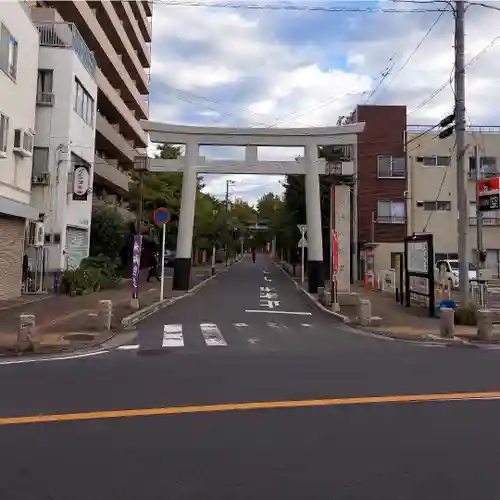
222 66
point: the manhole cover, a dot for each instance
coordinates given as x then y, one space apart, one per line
79 337
152 352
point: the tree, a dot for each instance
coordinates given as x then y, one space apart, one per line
107 233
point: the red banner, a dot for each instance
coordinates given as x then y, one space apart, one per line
487 186
335 253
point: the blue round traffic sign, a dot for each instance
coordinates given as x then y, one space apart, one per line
161 215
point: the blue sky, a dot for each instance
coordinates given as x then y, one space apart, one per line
239 67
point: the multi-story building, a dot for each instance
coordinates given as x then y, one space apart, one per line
18 80
63 156
379 222
432 191
118 34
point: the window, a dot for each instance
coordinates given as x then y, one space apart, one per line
8 52
488 165
40 160
391 212
84 104
432 206
4 134
434 161
45 81
391 167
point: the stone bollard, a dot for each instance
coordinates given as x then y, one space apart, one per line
484 324
105 314
365 312
327 298
447 322
27 325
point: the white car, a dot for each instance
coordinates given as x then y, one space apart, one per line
448 269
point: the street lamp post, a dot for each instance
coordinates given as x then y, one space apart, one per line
228 183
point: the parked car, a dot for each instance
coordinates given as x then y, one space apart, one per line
450 269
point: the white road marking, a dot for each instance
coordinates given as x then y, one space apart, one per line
253 341
307 325
212 335
239 325
58 358
274 311
172 336
128 347
273 325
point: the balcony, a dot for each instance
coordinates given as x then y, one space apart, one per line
108 173
45 99
66 35
112 140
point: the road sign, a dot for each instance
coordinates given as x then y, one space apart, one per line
303 242
488 186
489 202
161 216
302 228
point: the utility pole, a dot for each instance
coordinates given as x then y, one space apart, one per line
460 123
228 182
479 214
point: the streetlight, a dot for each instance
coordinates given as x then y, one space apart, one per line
228 183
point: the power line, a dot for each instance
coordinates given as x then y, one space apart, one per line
288 7
385 73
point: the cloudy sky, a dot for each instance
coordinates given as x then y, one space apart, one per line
297 68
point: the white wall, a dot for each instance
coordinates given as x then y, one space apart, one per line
18 100
61 129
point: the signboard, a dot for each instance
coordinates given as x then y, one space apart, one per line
489 202
161 216
335 253
302 228
303 242
487 186
81 182
418 259
136 264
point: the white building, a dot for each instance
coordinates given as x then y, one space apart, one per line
63 155
18 77
432 192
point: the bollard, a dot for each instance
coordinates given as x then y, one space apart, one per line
105 314
447 322
327 298
365 312
134 304
484 324
27 324
321 294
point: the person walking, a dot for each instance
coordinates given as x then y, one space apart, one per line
253 255
153 269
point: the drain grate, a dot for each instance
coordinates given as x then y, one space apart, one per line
79 337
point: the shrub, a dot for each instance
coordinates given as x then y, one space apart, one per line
467 314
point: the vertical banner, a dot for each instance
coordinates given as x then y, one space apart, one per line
136 265
81 182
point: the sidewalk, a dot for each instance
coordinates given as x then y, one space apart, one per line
65 323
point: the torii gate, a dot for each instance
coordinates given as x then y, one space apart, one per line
251 138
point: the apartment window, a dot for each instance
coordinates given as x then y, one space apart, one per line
4 134
441 206
45 81
488 166
8 52
391 212
389 166
434 161
40 160
84 103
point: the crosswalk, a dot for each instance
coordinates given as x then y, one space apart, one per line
178 336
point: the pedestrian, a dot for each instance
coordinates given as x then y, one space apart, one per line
253 255
153 269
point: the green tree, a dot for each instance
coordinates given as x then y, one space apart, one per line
107 233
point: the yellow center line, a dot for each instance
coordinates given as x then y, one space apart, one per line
178 410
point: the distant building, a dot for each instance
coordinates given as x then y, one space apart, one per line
18 80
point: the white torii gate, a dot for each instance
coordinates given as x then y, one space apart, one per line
251 138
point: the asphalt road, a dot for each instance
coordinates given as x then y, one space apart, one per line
162 441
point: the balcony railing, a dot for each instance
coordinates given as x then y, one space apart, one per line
66 35
393 219
45 98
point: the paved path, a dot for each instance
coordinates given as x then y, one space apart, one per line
308 412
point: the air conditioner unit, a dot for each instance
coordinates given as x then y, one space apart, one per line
23 142
347 168
36 234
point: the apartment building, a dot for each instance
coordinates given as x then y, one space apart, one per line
432 191
18 76
380 208
63 156
118 34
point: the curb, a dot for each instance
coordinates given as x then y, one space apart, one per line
314 300
132 319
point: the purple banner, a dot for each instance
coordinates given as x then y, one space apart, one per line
136 265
